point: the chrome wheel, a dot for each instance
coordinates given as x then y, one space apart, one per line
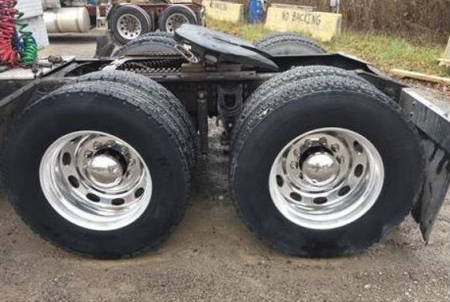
174 21
95 180
326 178
129 26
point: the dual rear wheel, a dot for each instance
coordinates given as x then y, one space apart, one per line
103 166
322 163
129 22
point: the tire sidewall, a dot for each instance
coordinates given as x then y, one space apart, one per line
55 118
393 139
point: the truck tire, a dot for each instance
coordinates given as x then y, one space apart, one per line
106 175
289 44
147 46
175 15
158 34
275 84
129 22
166 100
327 166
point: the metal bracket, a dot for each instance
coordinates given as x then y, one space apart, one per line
202 116
229 103
187 53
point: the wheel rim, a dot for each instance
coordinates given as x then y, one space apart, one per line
95 180
129 26
174 21
326 178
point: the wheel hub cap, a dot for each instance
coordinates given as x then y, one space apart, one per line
320 168
326 178
105 171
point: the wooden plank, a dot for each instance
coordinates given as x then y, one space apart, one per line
444 62
420 76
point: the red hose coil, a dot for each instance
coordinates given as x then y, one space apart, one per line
8 55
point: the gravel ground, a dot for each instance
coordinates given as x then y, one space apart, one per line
212 257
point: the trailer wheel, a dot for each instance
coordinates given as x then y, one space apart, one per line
148 45
129 22
326 166
98 168
289 44
175 15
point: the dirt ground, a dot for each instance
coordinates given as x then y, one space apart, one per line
212 257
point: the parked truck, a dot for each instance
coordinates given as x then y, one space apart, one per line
126 20
327 154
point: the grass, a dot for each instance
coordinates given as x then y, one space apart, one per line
384 51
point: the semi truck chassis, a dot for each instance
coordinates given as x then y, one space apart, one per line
304 193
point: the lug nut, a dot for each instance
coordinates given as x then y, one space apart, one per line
294 165
88 154
323 141
97 145
110 143
340 159
296 152
335 147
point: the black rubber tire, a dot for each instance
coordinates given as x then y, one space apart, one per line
289 44
312 103
176 9
158 34
147 46
118 109
164 100
278 82
139 13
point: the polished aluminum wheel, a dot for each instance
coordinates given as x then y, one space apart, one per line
95 180
326 178
174 21
129 26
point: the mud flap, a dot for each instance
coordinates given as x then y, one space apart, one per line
433 121
437 180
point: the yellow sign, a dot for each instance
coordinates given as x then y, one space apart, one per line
321 26
225 11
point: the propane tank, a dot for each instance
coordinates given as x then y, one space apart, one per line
67 19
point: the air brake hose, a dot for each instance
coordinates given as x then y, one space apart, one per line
28 49
8 54
15 46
